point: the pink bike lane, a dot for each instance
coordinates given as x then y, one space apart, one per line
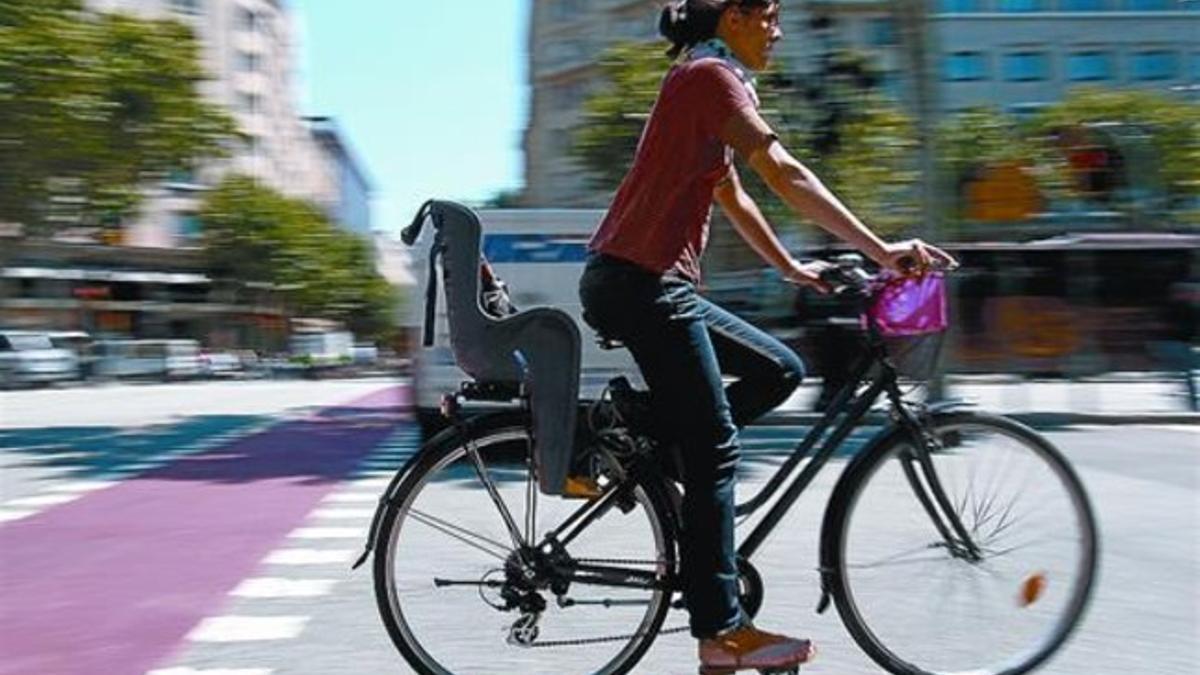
112 582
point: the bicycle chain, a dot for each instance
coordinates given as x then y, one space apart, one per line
597 640
579 642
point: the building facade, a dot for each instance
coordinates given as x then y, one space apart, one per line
247 48
1016 55
345 194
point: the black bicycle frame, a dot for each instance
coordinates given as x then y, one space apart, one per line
851 406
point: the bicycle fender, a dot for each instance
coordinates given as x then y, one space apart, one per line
449 435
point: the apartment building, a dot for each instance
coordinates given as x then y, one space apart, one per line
1013 54
247 48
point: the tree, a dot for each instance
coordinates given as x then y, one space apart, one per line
1166 129
605 142
92 106
252 233
974 142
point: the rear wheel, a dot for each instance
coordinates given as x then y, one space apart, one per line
465 588
919 602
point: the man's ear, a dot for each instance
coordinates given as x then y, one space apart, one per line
730 20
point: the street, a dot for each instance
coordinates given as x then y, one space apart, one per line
209 528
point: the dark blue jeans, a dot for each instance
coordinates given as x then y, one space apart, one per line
683 343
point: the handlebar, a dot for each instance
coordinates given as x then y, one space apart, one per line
850 276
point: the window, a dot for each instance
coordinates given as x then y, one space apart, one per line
567 96
188 226
881 32
1020 5
1025 66
566 10
964 67
1083 5
1148 5
247 20
249 103
960 6
1089 66
563 54
186 6
1154 65
249 62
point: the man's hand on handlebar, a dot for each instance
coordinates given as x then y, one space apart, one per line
915 257
809 274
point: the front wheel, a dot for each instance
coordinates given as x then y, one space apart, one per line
920 598
467 582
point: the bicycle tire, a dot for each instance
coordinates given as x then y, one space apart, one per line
850 601
510 440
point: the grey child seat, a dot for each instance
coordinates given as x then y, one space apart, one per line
537 347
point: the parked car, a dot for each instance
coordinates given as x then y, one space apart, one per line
148 359
29 357
82 344
220 365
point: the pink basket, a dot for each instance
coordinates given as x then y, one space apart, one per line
908 306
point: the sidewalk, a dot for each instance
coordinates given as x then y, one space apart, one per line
1116 399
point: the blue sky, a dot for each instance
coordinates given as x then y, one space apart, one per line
432 94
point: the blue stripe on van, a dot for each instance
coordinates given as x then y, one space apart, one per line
535 248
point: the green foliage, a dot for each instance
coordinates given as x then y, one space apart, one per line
1158 136
604 144
874 167
972 140
253 233
1171 127
93 105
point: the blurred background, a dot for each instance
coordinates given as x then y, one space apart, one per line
202 285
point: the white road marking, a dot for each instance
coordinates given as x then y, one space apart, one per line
274 587
9 515
42 500
328 533
211 671
83 486
248 628
310 556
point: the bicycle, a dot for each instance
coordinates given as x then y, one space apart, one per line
569 586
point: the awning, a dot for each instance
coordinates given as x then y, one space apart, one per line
129 276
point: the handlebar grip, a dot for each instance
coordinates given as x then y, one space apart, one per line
410 234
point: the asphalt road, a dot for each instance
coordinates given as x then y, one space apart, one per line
265 490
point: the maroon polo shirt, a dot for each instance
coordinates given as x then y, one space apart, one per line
659 216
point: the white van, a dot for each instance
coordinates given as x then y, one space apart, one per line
539 254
